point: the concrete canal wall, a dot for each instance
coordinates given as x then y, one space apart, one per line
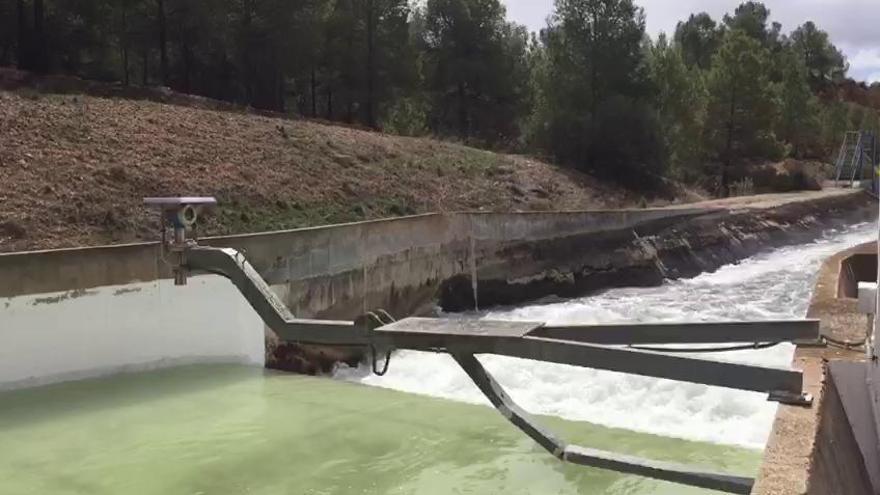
80 312
830 448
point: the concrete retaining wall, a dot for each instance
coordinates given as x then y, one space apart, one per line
79 333
837 465
814 450
513 267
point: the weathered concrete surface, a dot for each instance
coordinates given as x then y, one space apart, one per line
404 264
812 450
858 390
513 267
59 336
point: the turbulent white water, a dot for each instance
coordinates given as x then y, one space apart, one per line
772 285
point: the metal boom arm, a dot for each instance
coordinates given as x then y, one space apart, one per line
590 346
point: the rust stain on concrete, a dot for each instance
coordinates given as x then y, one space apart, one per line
119 292
73 294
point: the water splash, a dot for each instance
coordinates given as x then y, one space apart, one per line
773 285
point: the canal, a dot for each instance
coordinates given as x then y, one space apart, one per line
423 428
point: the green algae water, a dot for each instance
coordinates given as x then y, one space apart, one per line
236 430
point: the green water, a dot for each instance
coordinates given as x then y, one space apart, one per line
235 430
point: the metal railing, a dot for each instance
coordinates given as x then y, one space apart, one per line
857 154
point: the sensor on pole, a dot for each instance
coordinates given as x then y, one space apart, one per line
181 214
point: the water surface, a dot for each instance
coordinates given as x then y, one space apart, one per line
237 430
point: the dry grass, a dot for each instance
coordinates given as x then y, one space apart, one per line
73 170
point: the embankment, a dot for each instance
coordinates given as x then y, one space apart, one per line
79 312
74 169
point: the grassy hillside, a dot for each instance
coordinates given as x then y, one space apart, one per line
73 170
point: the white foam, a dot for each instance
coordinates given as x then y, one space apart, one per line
768 286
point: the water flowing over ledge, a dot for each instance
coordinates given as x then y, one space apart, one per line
771 285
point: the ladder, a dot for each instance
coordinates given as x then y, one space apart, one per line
856 158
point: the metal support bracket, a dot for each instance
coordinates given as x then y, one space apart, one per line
791 398
515 339
676 473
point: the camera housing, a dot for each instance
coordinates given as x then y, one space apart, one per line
182 214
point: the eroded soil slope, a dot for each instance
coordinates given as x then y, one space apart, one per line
73 170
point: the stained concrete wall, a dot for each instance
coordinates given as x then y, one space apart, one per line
838 467
86 332
518 261
341 271
858 393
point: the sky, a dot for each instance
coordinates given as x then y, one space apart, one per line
854 25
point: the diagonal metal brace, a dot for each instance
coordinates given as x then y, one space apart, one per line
231 264
514 339
676 473
684 333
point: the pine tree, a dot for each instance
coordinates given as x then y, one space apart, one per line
475 69
390 69
8 28
825 63
835 124
855 116
681 107
698 39
594 93
799 119
742 108
751 19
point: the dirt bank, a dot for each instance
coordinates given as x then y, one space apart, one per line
73 170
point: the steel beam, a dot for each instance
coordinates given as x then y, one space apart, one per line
274 313
685 333
667 471
676 473
478 337
508 408
644 363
